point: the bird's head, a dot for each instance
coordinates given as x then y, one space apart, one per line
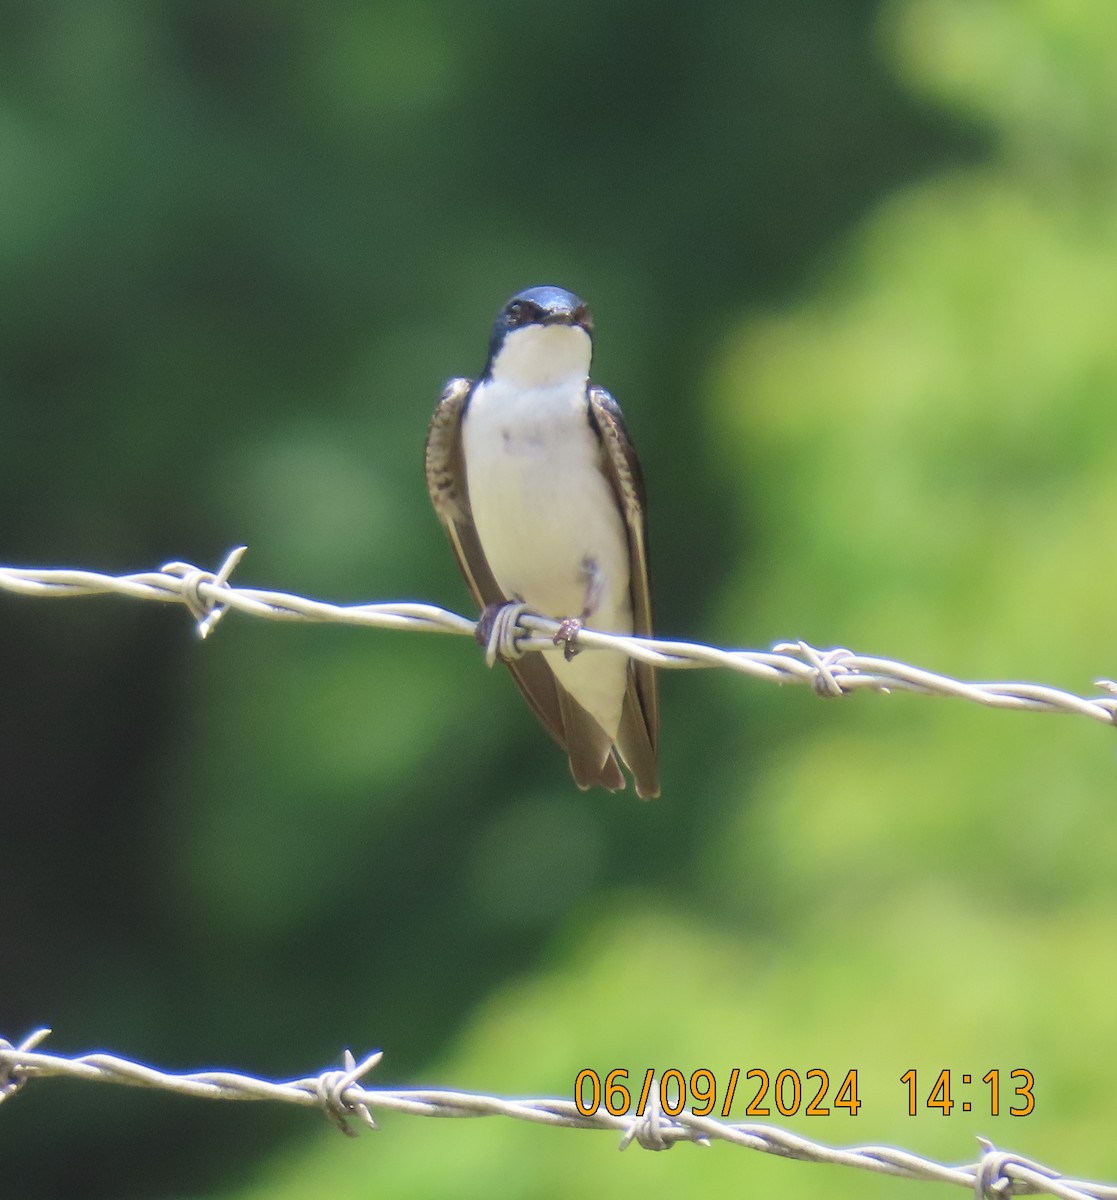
541 336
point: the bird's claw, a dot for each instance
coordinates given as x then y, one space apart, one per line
567 635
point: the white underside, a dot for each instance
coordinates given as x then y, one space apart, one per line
549 524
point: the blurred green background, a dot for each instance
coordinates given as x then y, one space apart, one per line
854 270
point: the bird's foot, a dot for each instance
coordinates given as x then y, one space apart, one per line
567 635
498 631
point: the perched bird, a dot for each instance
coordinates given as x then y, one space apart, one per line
531 472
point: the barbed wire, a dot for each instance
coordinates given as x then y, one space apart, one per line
834 672
340 1094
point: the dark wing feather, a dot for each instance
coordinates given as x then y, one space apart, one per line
449 493
638 736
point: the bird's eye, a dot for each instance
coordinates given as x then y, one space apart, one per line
581 316
518 313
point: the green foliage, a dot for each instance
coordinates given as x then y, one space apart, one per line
862 327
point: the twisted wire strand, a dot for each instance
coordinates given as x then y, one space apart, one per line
834 672
341 1096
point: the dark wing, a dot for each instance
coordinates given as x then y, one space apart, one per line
449 494
638 736
446 482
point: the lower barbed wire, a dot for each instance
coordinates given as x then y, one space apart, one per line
339 1093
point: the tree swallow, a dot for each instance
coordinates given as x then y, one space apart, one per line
531 472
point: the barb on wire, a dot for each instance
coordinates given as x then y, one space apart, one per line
340 1095
836 672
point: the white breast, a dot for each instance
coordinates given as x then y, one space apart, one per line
548 520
